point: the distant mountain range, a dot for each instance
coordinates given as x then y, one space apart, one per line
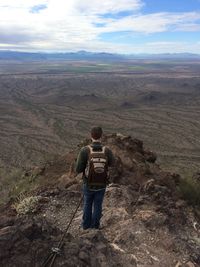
85 55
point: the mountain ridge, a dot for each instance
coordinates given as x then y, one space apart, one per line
145 222
86 55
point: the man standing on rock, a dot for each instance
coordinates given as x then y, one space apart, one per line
93 161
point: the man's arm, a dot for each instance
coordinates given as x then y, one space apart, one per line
82 159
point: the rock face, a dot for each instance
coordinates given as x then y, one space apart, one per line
144 221
30 240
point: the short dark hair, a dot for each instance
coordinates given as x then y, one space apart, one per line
96 132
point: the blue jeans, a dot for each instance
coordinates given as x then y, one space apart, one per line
92 207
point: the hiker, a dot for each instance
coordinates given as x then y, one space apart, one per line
93 161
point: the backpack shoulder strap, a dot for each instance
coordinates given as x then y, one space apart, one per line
90 150
103 149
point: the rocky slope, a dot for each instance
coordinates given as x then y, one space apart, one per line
144 223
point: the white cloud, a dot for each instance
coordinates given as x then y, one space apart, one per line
188 27
108 6
153 23
19 4
72 24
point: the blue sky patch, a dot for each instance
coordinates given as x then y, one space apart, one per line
118 15
99 25
153 6
38 8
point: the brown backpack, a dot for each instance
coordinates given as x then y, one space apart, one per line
97 167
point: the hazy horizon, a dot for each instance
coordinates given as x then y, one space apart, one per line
101 52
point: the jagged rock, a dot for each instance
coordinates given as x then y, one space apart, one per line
6 231
127 162
150 156
178 264
26 234
181 204
7 220
117 170
167 179
66 181
190 264
154 220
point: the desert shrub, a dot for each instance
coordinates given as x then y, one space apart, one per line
27 205
190 190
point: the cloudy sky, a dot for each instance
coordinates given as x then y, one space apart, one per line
122 26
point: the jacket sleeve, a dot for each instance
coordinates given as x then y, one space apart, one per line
82 159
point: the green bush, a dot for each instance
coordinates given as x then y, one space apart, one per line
190 190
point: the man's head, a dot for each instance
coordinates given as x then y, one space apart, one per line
96 133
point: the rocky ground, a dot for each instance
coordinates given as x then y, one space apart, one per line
144 223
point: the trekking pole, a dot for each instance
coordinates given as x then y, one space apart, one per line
55 251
